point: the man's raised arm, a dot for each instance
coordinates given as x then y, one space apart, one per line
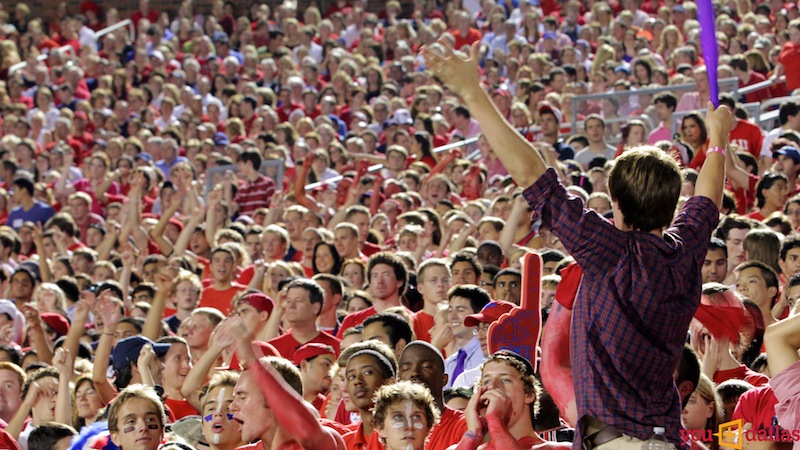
711 179
460 75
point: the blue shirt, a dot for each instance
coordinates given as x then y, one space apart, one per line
474 359
40 212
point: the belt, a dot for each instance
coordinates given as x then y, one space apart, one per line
601 437
600 434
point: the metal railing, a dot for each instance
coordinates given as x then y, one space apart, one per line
753 111
70 49
376 167
768 83
40 58
725 85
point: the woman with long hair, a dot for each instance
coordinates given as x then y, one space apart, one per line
703 411
87 402
694 133
326 259
771 192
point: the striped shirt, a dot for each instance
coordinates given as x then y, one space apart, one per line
256 194
632 312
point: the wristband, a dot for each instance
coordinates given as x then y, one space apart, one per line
720 150
472 435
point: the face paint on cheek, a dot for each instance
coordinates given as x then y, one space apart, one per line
153 426
128 429
217 438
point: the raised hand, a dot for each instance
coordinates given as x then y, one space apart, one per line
214 197
474 413
82 309
163 281
712 358
109 308
7 334
128 259
146 355
498 403
62 360
458 73
32 318
308 161
720 121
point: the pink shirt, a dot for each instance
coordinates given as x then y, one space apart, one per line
659 134
786 386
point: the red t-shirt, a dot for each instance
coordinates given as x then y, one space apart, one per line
757 96
790 58
423 322
741 373
356 440
221 300
287 344
473 35
449 431
747 136
757 406
181 408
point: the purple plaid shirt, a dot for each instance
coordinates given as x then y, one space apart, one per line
637 297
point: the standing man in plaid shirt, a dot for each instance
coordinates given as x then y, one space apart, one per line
642 281
258 189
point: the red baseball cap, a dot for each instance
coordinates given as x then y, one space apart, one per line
57 322
312 350
490 313
259 301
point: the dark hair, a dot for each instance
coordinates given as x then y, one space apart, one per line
478 297
47 435
700 123
470 258
251 156
767 273
766 182
396 326
508 271
70 287
462 111
718 244
63 222
14 355
24 183
334 282
110 285
729 391
337 258
646 184
732 222
315 292
788 109
793 281
688 370
551 256
393 261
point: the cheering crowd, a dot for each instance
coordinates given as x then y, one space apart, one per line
237 227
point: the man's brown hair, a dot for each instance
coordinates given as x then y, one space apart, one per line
646 184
